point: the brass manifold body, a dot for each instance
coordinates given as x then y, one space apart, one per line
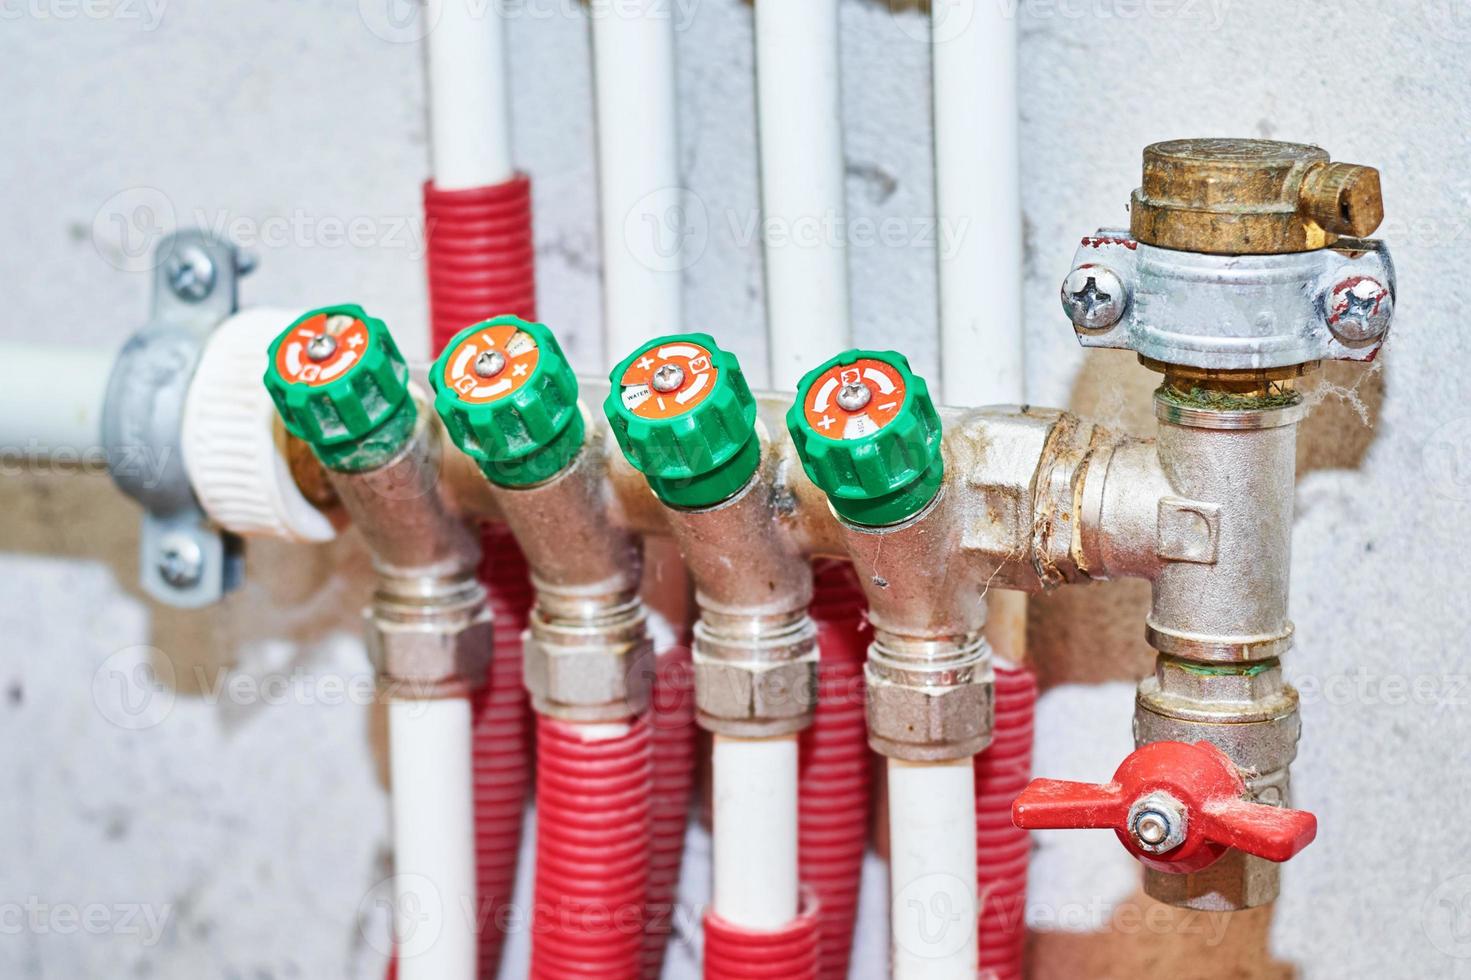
1032 499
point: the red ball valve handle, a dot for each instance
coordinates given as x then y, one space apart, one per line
1176 807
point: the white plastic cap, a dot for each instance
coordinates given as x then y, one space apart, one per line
234 449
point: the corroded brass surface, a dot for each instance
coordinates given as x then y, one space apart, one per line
1251 197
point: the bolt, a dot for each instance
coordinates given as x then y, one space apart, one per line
668 377
1157 823
191 274
1359 310
1152 828
852 397
321 347
180 561
1094 297
490 363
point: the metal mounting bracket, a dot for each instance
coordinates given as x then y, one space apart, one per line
184 560
1231 312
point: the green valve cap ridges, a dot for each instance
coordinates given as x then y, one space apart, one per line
685 418
341 385
508 398
869 437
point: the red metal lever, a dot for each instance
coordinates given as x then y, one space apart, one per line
1176 807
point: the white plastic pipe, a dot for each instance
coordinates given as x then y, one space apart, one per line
51 401
804 216
640 195
469 101
978 198
755 833
434 899
932 870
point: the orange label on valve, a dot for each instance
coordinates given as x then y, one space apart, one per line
669 380
491 363
850 401
320 350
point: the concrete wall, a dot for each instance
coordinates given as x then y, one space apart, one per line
230 822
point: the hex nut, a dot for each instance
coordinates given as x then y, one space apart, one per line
1172 817
588 681
929 724
755 698
428 657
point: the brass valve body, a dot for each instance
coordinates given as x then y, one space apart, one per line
1251 197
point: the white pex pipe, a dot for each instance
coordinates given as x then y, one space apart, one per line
469 99
804 213
51 401
755 834
434 900
932 870
638 171
978 202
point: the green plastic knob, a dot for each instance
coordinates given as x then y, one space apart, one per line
341 385
869 436
685 418
508 398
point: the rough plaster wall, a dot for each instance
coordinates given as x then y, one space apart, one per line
252 826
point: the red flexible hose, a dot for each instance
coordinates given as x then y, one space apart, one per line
674 774
481 264
733 953
500 745
833 794
592 852
482 257
1002 850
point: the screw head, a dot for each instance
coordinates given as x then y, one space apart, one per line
180 561
1094 297
1358 310
668 378
191 274
490 363
854 396
321 347
1157 823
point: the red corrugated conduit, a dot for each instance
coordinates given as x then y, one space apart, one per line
674 773
833 798
481 263
592 852
501 745
481 254
791 953
1002 851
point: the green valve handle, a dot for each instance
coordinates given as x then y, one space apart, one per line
341 385
685 418
869 437
508 398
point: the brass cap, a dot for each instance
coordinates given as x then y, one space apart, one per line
1251 197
